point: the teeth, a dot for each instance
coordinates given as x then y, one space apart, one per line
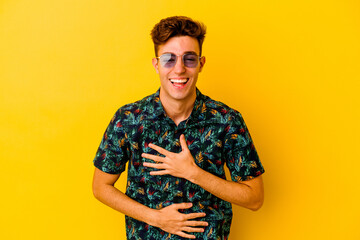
178 80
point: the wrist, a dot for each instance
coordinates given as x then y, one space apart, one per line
194 173
152 217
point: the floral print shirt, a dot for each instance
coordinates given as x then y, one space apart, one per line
216 135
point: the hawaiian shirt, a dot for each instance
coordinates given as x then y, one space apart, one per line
216 135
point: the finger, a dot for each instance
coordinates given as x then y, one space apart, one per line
162 172
195 215
153 157
178 206
185 235
183 143
154 165
192 229
159 149
196 223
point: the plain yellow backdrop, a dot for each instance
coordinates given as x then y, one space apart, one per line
290 67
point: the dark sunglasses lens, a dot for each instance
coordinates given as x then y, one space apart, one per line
168 60
190 60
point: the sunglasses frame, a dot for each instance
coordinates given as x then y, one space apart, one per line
182 59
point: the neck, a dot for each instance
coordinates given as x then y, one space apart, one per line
178 110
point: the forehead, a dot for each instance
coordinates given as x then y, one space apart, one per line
179 45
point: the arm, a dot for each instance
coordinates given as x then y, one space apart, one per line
168 219
248 194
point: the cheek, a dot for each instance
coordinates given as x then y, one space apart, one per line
163 79
194 74
163 73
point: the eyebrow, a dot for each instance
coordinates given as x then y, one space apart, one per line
187 52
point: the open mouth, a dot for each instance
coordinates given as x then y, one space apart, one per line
179 82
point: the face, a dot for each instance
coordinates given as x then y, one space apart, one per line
179 82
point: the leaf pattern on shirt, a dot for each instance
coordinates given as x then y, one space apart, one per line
216 135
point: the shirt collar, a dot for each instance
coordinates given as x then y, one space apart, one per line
198 107
158 108
155 109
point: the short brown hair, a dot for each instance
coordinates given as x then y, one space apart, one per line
177 26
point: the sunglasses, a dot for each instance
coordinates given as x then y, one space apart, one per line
168 60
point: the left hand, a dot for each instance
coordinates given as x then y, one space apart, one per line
180 165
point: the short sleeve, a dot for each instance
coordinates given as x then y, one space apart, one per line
113 152
240 153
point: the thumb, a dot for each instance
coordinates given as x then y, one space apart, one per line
182 205
183 143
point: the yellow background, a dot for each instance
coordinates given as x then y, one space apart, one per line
290 67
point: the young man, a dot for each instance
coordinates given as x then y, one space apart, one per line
176 142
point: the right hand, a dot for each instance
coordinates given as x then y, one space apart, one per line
172 221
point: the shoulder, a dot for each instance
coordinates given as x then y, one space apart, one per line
221 111
135 110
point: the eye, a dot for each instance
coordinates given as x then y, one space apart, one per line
190 57
168 57
168 60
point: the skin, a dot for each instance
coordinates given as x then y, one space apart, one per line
248 194
178 103
168 219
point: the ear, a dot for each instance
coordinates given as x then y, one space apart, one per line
155 64
202 63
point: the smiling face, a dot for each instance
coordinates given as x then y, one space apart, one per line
179 82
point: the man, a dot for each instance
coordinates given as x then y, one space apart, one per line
176 143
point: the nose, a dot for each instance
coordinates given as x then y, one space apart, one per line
179 66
